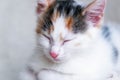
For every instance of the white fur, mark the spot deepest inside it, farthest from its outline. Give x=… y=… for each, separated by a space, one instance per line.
x=91 y=60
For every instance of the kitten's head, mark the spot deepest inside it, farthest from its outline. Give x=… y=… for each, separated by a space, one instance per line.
x=65 y=27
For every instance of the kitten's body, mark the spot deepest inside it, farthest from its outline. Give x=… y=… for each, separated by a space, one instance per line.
x=94 y=58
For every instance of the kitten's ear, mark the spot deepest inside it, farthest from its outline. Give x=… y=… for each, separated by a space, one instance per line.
x=42 y=5
x=94 y=11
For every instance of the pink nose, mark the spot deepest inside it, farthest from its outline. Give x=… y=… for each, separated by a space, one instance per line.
x=53 y=54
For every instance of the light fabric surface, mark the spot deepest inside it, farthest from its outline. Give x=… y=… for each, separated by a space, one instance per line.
x=17 y=37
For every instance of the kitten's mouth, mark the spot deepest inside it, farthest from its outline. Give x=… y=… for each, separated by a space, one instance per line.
x=56 y=60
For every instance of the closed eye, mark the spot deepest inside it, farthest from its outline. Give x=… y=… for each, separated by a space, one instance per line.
x=65 y=41
x=47 y=37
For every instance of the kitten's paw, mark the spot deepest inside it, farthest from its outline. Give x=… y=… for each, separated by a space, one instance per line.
x=46 y=75
x=28 y=75
x=54 y=75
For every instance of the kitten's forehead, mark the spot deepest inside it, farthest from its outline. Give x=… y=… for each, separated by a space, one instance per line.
x=62 y=15
x=59 y=25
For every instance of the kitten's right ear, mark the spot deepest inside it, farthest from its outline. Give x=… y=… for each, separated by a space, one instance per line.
x=95 y=12
x=42 y=5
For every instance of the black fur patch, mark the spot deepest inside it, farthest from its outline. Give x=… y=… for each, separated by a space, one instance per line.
x=67 y=8
x=107 y=35
x=115 y=54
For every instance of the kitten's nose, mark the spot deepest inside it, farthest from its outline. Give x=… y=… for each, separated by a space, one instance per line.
x=53 y=54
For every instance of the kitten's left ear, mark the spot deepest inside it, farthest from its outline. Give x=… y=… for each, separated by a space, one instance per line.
x=42 y=5
x=94 y=12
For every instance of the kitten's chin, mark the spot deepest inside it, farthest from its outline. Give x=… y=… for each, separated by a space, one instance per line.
x=57 y=60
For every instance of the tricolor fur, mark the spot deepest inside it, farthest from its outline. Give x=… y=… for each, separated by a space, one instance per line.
x=72 y=43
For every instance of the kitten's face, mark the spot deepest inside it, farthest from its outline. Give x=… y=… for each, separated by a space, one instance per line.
x=64 y=29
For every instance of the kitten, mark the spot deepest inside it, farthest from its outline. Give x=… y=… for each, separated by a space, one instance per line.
x=73 y=43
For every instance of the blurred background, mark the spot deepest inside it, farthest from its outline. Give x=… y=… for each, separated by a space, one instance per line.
x=17 y=33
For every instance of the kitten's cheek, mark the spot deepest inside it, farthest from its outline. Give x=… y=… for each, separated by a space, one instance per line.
x=44 y=43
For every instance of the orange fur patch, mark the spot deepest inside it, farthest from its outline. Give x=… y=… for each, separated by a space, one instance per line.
x=69 y=22
x=51 y=29
x=38 y=29
x=55 y=16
